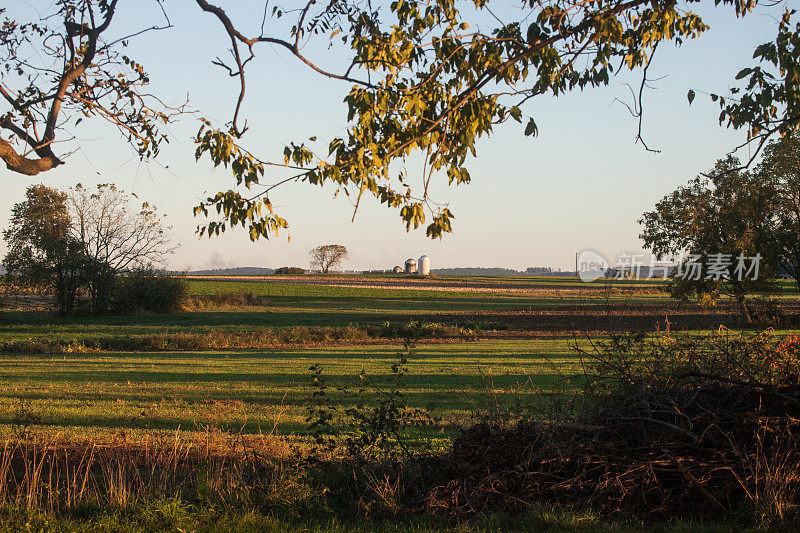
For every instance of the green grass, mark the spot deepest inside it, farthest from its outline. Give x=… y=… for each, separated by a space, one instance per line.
x=295 y=304
x=175 y=515
x=103 y=393
x=99 y=394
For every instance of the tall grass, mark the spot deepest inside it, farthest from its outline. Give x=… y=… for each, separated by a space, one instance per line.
x=53 y=476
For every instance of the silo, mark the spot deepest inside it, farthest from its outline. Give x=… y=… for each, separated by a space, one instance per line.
x=424 y=265
x=411 y=266
x=397 y=270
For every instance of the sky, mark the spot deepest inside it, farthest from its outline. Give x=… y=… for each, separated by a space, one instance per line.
x=582 y=183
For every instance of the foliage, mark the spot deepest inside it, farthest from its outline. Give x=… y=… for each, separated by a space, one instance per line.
x=82 y=240
x=377 y=424
x=116 y=237
x=693 y=425
x=60 y=69
x=767 y=312
x=149 y=290
x=42 y=250
x=780 y=168
x=290 y=271
x=417 y=330
x=423 y=79
x=731 y=212
x=769 y=101
x=224 y=339
x=328 y=256
x=431 y=84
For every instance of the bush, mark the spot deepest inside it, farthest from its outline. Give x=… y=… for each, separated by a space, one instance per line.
x=417 y=330
x=151 y=291
x=226 y=300
x=290 y=271
x=767 y=312
x=679 y=426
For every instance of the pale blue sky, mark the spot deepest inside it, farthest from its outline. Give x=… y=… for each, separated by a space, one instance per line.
x=532 y=202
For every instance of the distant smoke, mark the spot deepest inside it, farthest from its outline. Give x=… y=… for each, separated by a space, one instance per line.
x=218 y=261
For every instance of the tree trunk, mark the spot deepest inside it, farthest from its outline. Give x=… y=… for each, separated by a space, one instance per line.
x=744 y=309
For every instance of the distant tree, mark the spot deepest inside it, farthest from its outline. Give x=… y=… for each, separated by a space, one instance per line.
x=323 y=258
x=117 y=235
x=290 y=271
x=780 y=168
x=717 y=218
x=42 y=250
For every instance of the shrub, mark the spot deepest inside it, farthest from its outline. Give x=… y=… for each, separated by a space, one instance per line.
x=290 y=271
x=681 y=426
x=226 y=300
x=149 y=290
x=417 y=330
x=767 y=312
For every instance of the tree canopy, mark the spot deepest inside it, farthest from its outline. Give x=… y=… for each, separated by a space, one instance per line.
x=424 y=77
x=82 y=239
x=724 y=230
x=42 y=251
x=780 y=170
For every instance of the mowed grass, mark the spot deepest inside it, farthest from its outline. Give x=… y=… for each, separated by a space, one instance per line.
x=254 y=391
x=100 y=395
x=189 y=396
x=383 y=299
x=298 y=304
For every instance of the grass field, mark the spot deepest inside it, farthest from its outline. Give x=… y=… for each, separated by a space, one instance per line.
x=519 y=354
x=102 y=394
x=513 y=303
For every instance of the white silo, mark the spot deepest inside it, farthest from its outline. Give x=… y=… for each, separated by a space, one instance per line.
x=424 y=265
x=397 y=270
x=411 y=266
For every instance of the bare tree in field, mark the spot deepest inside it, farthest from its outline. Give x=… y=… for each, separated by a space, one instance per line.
x=117 y=236
x=323 y=258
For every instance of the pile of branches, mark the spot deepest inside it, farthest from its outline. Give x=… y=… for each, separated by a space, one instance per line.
x=672 y=427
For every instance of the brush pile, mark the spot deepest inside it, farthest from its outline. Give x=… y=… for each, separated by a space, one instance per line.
x=679 y=427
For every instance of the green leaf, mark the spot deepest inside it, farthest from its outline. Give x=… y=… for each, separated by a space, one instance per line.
x=533 y=33
x=531 y=128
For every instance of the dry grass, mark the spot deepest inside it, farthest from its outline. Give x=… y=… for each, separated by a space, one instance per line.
x=55 y=476
x=226 y=300
x=671 y=428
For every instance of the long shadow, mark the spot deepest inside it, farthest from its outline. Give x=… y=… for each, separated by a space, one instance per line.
x=527 y=314
x=314 y=312
x=147 y=423
x=118 y=377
